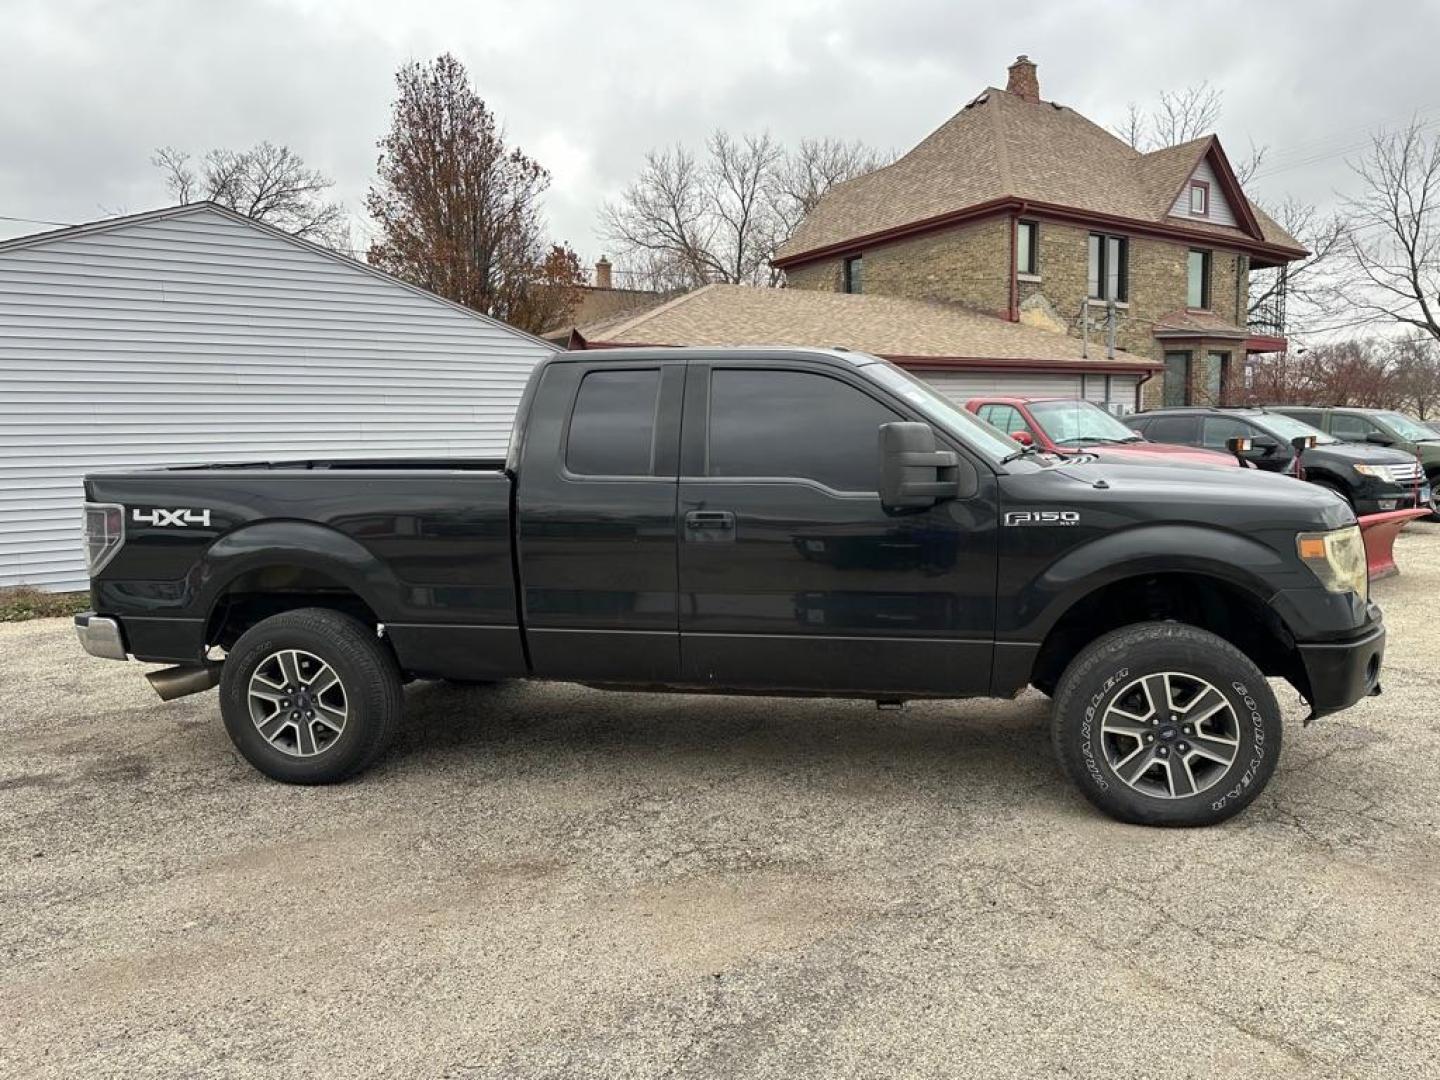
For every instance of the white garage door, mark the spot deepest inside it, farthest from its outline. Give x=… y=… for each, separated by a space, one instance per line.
x=1115 y=392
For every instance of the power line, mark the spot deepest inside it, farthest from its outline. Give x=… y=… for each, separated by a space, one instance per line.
x=36 y=221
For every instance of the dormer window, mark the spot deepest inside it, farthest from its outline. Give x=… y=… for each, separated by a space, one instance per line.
x=1199 y=198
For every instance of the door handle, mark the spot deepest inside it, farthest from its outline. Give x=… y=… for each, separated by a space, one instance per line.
x=710 y=519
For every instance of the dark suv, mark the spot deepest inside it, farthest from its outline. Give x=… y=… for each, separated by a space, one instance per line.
x=1372 y=479
x=1379 y=427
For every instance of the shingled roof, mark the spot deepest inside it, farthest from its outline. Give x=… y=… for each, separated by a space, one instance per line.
x=905 y=330
x=1003 y=147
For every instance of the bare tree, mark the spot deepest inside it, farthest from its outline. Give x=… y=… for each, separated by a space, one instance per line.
x=1416 y=361
x=686 y=221
x=1306 y=284
x=458 y=210
x=1392 y=272
x=1179 y=116
x=267 y=182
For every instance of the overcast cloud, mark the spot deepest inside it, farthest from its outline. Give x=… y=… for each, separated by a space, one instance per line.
x=89 y=89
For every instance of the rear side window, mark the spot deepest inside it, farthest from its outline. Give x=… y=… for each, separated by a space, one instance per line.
x=612 y=429
x=794 y=425
x=1173 y=429
x=1137 y=423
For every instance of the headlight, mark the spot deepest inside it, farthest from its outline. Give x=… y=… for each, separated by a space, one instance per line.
x=1376 y=471
x=1338 y=559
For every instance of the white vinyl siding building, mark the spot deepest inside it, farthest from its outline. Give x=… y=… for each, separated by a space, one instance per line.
x=194 y=335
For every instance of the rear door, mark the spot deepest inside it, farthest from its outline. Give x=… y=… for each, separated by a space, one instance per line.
x=792 y=575
x=596 y=521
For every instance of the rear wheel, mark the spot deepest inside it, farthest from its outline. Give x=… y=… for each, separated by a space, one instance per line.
x=310 y=696
x=1166 y=724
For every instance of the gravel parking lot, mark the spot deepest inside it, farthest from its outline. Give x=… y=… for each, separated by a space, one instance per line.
x=553 y=881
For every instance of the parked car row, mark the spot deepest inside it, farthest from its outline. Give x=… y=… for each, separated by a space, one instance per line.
x=1378 y=460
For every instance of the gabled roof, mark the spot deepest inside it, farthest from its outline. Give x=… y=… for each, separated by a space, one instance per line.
x=184 y=209
x=1001 y=150
x=905 y=330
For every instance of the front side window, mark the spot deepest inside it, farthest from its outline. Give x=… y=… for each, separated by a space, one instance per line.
x=1109 y=270
x=794 y=425
x=1199 y=276
x=1027 y=254
x=1350 y=427
x=1218 y=430
x=854 y=275
x=612 y=428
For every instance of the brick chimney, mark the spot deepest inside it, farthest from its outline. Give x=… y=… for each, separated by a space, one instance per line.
x=602 y=273
x=1024 y=83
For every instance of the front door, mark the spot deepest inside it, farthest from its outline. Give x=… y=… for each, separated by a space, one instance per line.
x=792 y=575
x=1177 y=378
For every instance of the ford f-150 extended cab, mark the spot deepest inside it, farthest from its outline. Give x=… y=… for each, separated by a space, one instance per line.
x=773 y=521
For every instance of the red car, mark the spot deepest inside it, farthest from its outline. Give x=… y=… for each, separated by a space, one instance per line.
x=1073 y=426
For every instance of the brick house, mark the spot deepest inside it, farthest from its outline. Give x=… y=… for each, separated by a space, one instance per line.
x=1023 y=210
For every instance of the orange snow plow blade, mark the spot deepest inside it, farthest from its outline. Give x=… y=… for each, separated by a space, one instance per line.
x=1379 y=532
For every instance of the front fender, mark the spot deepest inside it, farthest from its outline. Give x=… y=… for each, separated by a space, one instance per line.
x=1242 y=561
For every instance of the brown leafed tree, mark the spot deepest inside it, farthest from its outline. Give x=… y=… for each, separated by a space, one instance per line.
x=1392 y=267
x=266 y=182
x=1416 y=362
x=458 y=210
x=1178 y=116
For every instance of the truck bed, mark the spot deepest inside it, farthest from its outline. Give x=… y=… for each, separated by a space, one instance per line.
x=425 y=542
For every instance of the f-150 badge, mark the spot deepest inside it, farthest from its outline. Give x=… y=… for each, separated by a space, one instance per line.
x=165 y=519
x=1042 y=517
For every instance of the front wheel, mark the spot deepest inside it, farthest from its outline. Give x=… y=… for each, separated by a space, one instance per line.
x=1165 y=724
x=310 y=696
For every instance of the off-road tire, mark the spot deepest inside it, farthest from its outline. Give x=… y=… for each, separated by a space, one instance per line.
x=1089 y=695
x=370 y=681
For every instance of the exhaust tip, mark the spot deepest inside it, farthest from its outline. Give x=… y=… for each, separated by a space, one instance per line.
x=178 y=682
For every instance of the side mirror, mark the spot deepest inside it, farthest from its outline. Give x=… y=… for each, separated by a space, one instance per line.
x=912 y=472
x=1023 y=438
x=1301 y=443
x=1379 y=439
x=1238 y=445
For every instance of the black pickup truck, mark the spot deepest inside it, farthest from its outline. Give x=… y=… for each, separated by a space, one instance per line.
x=782 y=522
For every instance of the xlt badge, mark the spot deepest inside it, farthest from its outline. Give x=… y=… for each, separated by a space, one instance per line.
x=1042 y=517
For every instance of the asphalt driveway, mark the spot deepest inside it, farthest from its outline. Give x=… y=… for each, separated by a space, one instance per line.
x=554 y=881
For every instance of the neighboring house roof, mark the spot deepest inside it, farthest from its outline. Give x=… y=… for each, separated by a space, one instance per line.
x=1002 y=150
x=913 y=331
x=1188 y=323
x=107 y=224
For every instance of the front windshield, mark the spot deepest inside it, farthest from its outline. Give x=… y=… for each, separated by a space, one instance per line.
x=1073 y=423
x=1407 y=428
x=1287 y=428
x=941 y=411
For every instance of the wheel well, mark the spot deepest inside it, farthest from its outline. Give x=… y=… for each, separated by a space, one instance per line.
x=269 y=590
x=1226 y=610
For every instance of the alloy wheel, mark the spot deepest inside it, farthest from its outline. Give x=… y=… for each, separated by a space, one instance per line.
x=297 y=703
x=1170 y=735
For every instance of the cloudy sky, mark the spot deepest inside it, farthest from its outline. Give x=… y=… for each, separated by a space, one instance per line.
x=88 y=89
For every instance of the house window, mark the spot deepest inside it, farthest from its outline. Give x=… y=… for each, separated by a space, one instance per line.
x=1177 y=378
x=1027 y=250
x=1109 y=267
x=854 y=277
x=1199 y=292
x=1199 y=198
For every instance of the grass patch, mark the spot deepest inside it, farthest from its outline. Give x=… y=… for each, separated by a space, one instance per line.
x=19 y=604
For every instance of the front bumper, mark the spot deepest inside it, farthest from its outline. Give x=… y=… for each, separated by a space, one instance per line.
x=1340 y=673
x=1382 y=498
x=100 y=636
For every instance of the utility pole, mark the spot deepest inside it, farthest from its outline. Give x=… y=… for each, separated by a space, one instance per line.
x=1110 y=313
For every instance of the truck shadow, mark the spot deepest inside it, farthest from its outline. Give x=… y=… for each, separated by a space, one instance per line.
x=541 y=728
